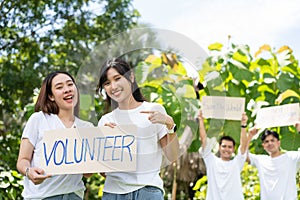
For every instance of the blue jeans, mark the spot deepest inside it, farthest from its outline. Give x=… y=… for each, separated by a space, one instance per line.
x=70 y=196
x=145 y=193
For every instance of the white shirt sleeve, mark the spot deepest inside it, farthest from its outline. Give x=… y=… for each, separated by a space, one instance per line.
x=31 y=130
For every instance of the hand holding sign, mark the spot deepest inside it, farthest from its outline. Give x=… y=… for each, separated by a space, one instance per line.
x=36 y=175
x=200 y=115
x=244 y=119
x=252 y=132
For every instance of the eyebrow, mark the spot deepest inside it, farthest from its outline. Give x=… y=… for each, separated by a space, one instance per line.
x=60 y=83
x=107 y=80
x=117 y=75
x=270 y=139
x=227 y=145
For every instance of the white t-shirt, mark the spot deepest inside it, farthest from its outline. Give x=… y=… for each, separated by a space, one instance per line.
x=277 y=175
x=149 y=151
x=223 y=177
x=58 y=184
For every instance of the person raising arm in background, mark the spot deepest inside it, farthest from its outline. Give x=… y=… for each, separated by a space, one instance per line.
x=277 y=171
x=223 y=173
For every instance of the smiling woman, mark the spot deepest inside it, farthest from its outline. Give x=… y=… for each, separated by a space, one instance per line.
x=65 y=95
x=55 y=109
x=59 y=88
x=155 y=134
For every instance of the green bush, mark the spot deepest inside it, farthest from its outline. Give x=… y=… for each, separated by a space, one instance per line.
x=11 y=184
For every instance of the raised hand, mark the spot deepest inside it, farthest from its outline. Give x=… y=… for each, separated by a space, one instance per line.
x=244 y=119
x=200 y=115
x=297 y=125
x=252 y=131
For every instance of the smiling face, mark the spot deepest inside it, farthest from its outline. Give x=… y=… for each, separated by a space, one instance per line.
x=117 y=87
x=226 y=149
x=271 y=145
x=64 y=92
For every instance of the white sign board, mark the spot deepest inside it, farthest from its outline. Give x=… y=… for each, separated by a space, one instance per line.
x=89 y=150
x=219 y=107
x=277 y=116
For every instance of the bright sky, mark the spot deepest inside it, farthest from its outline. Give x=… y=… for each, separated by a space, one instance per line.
x=251 y=22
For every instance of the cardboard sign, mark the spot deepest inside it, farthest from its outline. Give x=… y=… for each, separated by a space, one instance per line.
x=223 y=107
x=89 y=150
x=277 y=116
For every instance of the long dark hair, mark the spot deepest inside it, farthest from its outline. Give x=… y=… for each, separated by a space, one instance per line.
x=44 y=103
x=124 y=69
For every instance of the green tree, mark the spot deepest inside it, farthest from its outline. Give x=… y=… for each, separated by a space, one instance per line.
x=268 y=78
x=37 y=37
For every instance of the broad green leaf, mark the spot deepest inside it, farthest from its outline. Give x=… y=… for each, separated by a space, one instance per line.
x=292 y=68
x=240 y=74
x=194 y=146
x=233 y=128
x=286 y=94
x=285 y=81
x=200 y=182
x=206 y=68
x=180 y=69
x=238 y=64
x=154 y=83
x=268 y=69
x=233 y=90
x=187 y=91
x=215 y=46
x=240 y=58
x=290 y=140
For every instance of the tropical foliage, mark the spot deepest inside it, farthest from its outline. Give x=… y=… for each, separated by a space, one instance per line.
x=41 y=36
x=268 y=78
x=37 y=37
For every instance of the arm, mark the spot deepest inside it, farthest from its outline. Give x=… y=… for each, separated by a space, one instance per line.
x=36 y=175
x=252 y=131
x=297 y=125
x=203 y=135
x=243 y=137
x=169 y=142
